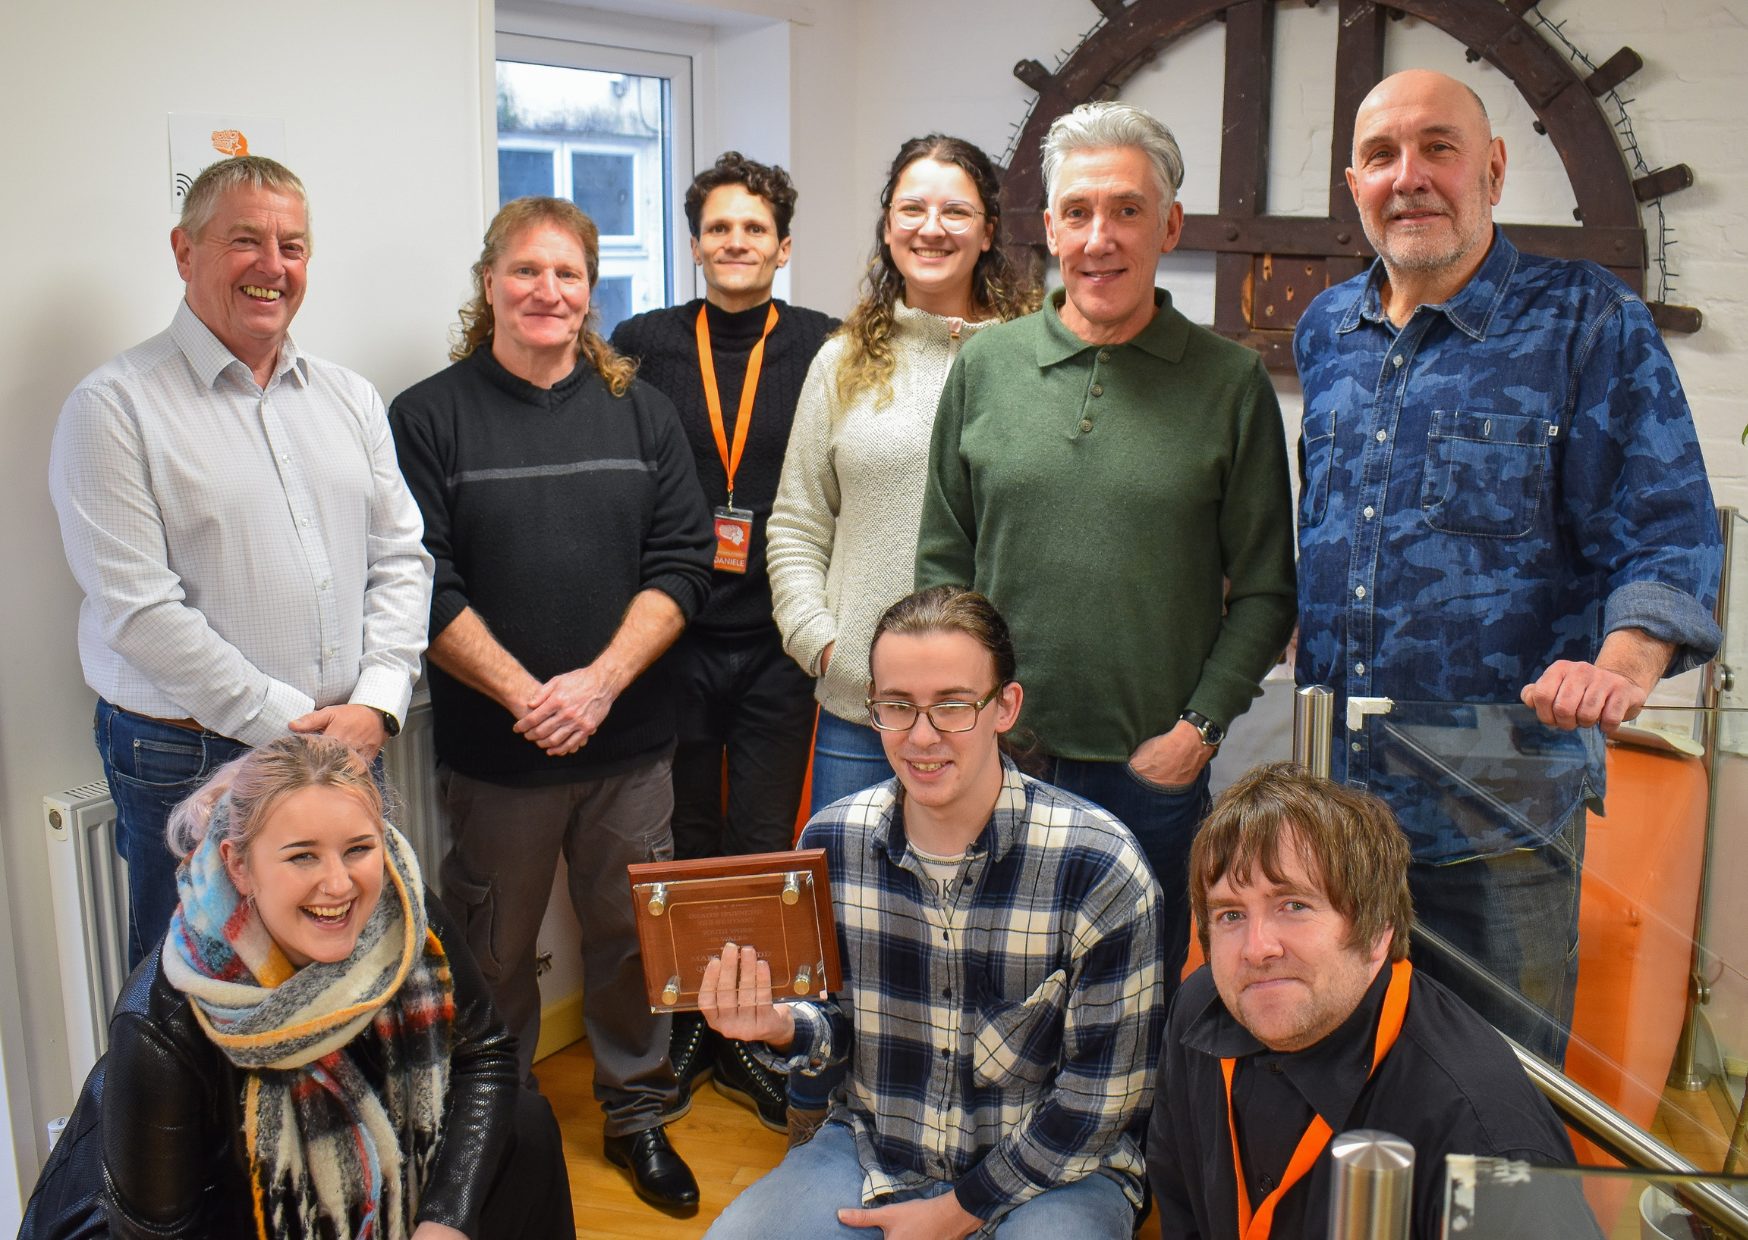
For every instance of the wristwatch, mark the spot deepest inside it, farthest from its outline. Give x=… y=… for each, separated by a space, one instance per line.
x=390 y=725
x=1211 y=733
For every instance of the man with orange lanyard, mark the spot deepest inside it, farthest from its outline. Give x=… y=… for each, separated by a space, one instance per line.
x=1308 y=1021
x=733 y=363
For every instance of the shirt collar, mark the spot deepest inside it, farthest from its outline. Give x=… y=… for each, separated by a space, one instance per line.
x=1012 y=806
x=209 y=357
x=1330 y=1075
x=1470 y=310
x=1165 y=336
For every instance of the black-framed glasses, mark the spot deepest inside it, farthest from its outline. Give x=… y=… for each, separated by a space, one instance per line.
x=943 y=716
x=955 y=217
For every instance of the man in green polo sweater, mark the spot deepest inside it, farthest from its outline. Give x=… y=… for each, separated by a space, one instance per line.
x=1114 y=478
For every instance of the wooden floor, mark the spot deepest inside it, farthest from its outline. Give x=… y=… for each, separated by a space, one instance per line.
x=726 y=1147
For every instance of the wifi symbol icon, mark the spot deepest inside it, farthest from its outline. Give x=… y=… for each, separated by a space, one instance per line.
x=184 y=183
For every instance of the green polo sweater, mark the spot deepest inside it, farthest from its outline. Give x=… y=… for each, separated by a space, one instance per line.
x=1126 y=507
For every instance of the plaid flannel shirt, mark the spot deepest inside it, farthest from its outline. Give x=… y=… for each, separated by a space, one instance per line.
x=1003 y=1034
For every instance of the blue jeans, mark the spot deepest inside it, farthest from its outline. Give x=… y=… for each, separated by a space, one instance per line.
x=151 y=767
x=1163 y=821
x=847 y=757
x=1503 y=933
x=803 y=1195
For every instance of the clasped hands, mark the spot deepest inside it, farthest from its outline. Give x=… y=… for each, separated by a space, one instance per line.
x=735 y=1000
x=563 y=713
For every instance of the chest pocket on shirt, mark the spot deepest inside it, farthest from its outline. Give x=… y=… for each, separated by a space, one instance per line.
x=1485 y=472
x=1316 y=462
x=1019 y=1041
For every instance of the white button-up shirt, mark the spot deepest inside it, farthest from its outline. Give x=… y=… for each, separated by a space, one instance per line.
x=247 y=554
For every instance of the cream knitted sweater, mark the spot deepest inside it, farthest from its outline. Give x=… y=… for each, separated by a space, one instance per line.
x=843 y=527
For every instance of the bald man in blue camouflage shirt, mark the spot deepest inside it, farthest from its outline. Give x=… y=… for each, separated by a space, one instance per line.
x=1503 y=501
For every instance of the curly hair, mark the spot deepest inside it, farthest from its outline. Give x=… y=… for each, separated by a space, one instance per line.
x=999 y=288
x=511 y=220
x=767 y=181
x=260 y=779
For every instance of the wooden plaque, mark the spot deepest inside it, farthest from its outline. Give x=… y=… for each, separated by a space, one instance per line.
x=779 y=903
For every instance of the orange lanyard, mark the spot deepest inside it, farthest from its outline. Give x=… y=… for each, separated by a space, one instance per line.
x=1317 y=1134
x=713 y=398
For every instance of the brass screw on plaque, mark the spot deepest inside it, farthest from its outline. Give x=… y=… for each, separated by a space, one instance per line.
x=671 y=992
x=803 y=976
x=791 y=887
x=658 y=903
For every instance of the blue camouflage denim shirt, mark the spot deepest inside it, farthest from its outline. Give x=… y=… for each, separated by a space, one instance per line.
x=1495 y=486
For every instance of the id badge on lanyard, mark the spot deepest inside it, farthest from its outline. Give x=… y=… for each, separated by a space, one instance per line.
x=734 y=526
x=734 y=538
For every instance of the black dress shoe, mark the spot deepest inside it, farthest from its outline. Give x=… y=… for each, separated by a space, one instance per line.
x=660 y=1176
x=743 y=1078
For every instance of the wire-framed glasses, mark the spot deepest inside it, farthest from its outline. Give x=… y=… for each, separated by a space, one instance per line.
x=943 y=716
x=955 y=217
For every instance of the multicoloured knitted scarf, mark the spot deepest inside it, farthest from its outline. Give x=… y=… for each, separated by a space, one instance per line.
x=328 y=1156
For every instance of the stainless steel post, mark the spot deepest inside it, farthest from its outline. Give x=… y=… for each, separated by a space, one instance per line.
x=1373 y=1186
x=1313 y=728
x=1715 y=681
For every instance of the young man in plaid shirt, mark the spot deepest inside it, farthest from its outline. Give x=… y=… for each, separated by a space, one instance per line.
x=1003 y=994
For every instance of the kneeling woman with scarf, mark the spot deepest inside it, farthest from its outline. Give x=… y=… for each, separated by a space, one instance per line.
x=312 y=1052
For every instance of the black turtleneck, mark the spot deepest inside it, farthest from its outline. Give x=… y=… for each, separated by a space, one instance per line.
x=665 y=345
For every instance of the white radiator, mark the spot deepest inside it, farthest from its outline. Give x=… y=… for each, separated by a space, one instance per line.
x=88 y=883
x=88 y=880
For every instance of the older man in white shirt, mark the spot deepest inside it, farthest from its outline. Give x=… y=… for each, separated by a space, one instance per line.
x=233 y=510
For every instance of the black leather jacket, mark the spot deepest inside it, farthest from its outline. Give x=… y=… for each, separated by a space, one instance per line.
x=173 y=1156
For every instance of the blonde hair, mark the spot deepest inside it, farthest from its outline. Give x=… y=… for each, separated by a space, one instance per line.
x=258 y=780
x=999 y=288
x=516 y=215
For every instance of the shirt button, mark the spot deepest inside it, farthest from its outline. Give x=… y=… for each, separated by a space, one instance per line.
x=1085 y=425
x=324 y=585
x=1104 y=355
x=303 y=520
x=1381 y=437
x=1359 y=591
x=1266 y=1183
x=1359 y=669
x=1097 y=389
x=1396 y=360
x=945 y=1053
x=947 y=993
x=1370 y=512
x=1355 y=746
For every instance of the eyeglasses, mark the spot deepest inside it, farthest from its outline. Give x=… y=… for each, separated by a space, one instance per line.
x=943 y=716
x=955 y=217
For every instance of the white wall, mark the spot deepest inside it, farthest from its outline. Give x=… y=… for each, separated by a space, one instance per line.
x=382 y=120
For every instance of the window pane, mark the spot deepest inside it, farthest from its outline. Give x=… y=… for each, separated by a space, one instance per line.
x=601 y=139
x=602 y=186
x=521 y=173
x=611 y=300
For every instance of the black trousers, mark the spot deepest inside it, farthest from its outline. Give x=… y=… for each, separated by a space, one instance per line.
x=744 y=698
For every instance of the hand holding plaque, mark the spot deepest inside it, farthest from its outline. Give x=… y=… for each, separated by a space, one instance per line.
x=736 y=999
x=777 y=905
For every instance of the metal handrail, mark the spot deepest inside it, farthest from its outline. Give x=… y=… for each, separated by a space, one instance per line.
x=1373 y=1187
x=1619 y=1136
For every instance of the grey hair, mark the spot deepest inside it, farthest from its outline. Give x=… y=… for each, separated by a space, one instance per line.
x=1096 y=126
x=242 y=172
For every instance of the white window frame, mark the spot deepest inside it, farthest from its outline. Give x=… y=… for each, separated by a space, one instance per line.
x=678 y=70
